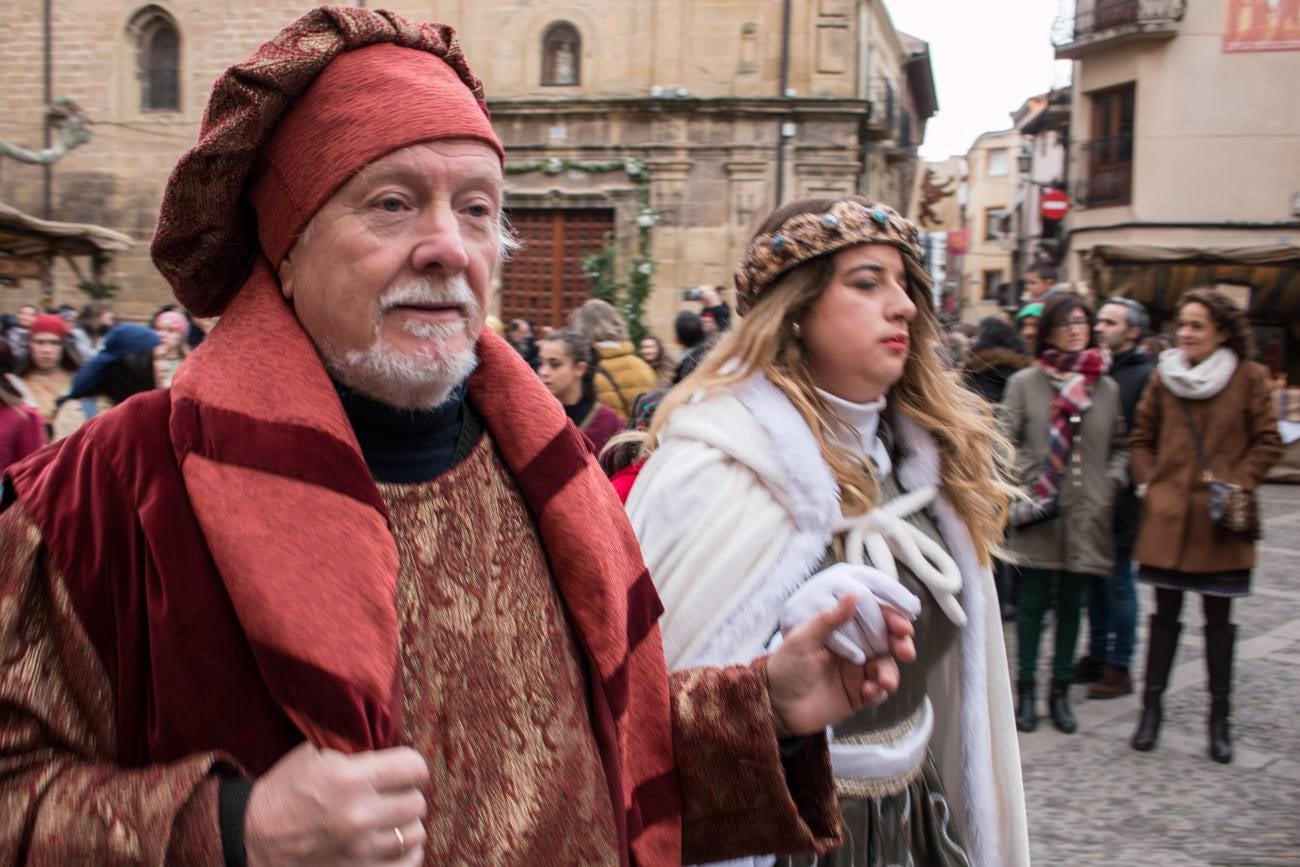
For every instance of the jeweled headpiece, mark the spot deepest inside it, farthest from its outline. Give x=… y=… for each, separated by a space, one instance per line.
x=808 y=235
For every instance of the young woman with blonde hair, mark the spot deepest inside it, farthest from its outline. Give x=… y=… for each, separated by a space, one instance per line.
x=823 y=450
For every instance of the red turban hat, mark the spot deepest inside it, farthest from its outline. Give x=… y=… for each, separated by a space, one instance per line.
x=284 y=129
x=367 y=103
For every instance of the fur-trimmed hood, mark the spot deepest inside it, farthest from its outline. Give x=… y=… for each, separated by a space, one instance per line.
x=996 y=357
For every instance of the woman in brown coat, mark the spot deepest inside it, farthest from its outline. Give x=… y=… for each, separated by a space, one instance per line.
x=1205 y=389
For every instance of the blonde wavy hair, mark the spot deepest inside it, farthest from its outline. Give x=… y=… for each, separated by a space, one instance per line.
x=973 y=454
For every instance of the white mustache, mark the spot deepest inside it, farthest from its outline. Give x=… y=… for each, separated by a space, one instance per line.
x=431 y=292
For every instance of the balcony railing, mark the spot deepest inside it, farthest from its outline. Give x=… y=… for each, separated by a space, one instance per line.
x=1109 y=179
x=1107 y=22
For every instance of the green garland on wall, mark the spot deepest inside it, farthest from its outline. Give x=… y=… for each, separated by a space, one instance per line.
x=628 y=295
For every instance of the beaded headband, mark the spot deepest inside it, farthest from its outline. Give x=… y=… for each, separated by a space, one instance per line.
x=805 y=236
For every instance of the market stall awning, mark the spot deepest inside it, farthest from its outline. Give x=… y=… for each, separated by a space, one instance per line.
x=27 y=243
x=1157 y=276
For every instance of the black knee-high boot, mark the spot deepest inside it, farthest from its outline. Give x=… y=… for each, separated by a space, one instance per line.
x=1162 y=644
x=1220 y=642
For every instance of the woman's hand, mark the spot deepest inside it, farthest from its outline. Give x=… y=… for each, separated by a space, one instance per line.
x=810 y=687
x=865 y=634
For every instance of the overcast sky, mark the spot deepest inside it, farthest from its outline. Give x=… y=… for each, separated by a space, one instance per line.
x=988 y=57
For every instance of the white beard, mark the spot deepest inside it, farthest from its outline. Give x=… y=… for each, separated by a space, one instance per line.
x=413 y=380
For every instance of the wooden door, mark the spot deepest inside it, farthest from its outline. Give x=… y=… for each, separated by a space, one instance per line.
x=1110 y=150
x=544 y=281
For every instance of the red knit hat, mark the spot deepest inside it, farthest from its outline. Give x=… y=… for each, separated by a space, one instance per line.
x=49 y=323
x=367 y=103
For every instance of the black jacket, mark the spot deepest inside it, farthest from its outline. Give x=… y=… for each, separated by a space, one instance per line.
x=987 y=370
x=693 y=358
x=528 y=351
x=1131 y=369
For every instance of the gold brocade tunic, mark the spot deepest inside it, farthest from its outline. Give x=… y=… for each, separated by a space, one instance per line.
x=495 y=695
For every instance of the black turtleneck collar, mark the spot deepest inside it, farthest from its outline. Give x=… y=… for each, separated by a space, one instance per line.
x=406 y=446
x=579 y=411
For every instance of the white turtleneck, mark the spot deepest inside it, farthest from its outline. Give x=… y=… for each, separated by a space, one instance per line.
x=865 y=419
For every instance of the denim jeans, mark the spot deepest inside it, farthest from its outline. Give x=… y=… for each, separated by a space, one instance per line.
x=1112 y=613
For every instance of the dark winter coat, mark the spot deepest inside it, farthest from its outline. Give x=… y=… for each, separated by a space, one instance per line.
x=693 y=358
x=596 y=420
x=1130 y=369
x=987 y=370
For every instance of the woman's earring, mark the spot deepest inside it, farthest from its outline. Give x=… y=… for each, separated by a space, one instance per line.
x=797 y=329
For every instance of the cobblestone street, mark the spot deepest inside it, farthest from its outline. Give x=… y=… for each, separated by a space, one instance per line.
x=1093 y=800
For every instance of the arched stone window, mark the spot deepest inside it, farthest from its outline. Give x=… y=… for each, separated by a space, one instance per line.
x=561 y=55
x=158 y=59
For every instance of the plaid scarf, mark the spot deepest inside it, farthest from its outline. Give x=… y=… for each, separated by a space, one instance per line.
x=1074 y=374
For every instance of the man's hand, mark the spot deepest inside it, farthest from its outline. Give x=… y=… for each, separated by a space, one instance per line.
x=810 y=687
x=323 y=807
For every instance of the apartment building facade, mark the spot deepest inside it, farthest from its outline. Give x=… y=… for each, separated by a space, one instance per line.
x=1184 y=157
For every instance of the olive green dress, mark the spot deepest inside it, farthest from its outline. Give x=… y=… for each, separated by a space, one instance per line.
x=905 y=821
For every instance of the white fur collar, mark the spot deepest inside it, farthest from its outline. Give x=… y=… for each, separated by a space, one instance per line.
x=813 y=493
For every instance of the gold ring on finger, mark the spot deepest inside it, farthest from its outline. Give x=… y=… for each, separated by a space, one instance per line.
x=401 y=841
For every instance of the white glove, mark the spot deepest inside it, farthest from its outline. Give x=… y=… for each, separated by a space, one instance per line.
x=865 y=634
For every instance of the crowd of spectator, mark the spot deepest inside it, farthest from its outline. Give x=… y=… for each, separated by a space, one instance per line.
x=1089 y=403
x=1117 y=433
x=61 y=367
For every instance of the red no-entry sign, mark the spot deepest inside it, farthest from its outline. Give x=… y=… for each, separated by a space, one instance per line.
x=1054 y=204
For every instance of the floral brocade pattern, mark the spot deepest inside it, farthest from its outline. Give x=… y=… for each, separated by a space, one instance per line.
x=761 y=803
x=63 y=798
x=495 y=696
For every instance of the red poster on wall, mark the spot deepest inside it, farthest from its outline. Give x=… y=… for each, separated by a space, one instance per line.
x=958 y=242
x=1262 y=25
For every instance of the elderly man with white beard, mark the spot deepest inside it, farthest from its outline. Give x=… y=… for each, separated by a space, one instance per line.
x=354 y=591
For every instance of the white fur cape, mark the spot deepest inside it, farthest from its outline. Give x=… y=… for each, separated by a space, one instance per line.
x=733 y=512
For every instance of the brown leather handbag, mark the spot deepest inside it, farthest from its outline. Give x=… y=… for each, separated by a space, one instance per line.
x=1232 y=507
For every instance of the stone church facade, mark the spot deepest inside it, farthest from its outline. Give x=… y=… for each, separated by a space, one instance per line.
x=658 y=132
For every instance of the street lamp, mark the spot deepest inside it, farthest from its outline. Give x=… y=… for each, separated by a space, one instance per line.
x=1024 y=160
